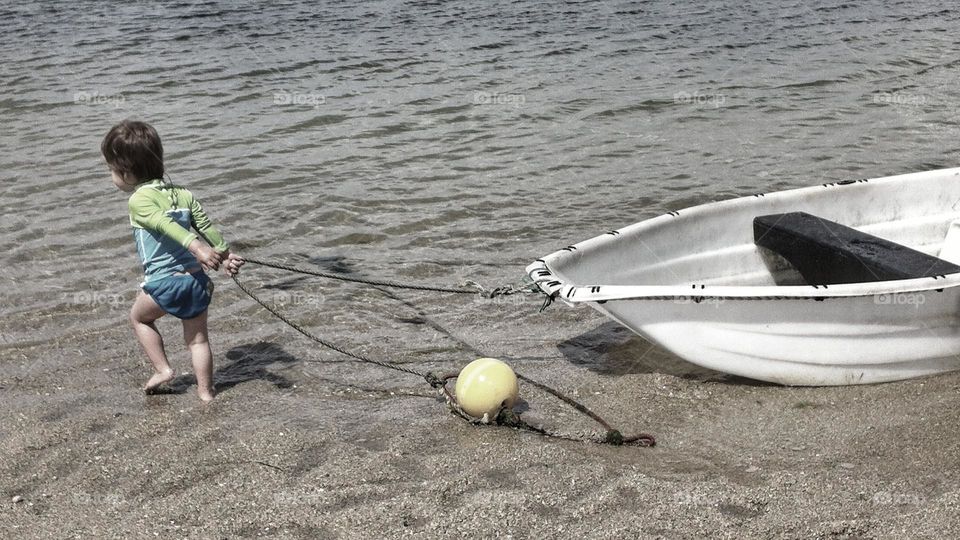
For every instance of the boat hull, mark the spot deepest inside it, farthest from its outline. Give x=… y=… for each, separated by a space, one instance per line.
x=837 y=341
x=694 y=282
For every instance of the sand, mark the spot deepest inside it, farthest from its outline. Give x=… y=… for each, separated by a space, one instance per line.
x=303 y=444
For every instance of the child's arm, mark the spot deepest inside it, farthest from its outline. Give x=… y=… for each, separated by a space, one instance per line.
x=204 y=226
x=147 y=214
x=208 y=258
x=232 y=264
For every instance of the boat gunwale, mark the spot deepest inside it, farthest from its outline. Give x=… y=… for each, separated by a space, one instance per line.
x=553 y=285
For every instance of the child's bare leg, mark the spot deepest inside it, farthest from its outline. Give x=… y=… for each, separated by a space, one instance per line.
x=195 y=335
x=142 y=316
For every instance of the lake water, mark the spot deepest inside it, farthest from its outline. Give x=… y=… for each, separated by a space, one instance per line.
x=434 y=141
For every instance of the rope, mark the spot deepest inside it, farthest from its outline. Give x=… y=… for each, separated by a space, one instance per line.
x=613 y=436
x=471 y=288
x=429 y=377
x=505 y=417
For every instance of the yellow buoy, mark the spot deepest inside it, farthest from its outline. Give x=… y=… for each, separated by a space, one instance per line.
x=485 y=386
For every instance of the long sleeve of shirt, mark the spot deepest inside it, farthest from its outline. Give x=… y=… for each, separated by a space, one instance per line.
x=147 y=212
x=164 y=218
x=205 y=227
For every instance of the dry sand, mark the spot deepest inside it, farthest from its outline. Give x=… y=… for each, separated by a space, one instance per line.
x=335 y=449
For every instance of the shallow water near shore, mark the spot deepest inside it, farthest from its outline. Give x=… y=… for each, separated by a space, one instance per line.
x=440 y=142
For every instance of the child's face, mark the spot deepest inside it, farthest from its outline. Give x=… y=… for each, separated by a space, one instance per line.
x=118 y=181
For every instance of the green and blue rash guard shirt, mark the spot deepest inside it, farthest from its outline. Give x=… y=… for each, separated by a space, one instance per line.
x=162 y=216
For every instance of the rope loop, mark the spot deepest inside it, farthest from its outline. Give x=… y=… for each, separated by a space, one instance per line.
x=614 y=437
x=507 y=417
x=433 y=380
x=548 y=299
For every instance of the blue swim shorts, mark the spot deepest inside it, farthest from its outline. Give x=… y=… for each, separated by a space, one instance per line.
x=182 y=295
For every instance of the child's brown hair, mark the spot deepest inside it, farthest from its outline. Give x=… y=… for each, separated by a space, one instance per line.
x=133 y=150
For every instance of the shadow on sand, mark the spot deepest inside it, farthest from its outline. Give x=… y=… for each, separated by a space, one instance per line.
x=611 y=349
x=245 y=363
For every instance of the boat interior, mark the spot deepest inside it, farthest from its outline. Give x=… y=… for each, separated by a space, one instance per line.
x=825 y=252
x=856 y=230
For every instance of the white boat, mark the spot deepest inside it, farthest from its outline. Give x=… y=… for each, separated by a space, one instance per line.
x=695 y=282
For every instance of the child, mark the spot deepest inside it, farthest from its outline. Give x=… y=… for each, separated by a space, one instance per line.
x=174 y=258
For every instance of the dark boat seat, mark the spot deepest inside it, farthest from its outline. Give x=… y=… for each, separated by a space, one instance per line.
x=827 y=253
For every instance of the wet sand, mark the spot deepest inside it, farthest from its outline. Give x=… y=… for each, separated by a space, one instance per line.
x=302 y=444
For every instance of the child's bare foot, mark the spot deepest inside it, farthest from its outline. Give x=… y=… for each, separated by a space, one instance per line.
x=158 y=379
x=206 y=394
